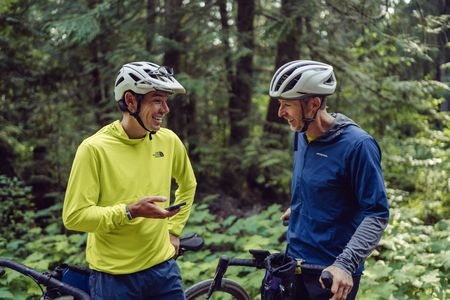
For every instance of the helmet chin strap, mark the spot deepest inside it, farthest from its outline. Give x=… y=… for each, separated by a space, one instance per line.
x=138 y=118
x=306 y=122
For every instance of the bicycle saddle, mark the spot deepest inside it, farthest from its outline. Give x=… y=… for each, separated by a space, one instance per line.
x=191 y=242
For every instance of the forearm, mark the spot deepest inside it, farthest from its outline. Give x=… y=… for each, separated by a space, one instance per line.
x=95 y=218
x=362 y=243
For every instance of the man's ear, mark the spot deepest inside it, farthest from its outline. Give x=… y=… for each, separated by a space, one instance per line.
x=316 y=102
x=130 y=101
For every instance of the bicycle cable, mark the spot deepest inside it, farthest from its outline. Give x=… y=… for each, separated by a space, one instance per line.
x=40 y=287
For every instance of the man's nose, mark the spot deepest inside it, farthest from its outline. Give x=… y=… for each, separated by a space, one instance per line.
x=280 y=111
x=165 y=108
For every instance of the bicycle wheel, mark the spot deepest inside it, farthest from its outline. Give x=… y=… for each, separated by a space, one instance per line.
x=229 y=290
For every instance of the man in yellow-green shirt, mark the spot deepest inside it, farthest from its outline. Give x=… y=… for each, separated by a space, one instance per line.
x=118 y=190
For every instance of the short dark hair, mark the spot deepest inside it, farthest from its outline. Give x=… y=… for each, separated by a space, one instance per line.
x=122 y=105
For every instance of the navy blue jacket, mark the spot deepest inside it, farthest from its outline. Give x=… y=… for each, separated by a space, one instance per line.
x=339 y=207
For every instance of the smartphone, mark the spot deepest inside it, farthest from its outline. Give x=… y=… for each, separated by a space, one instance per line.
x=176 y=206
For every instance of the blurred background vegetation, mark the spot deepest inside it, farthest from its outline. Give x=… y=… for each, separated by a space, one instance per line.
x=58 y=62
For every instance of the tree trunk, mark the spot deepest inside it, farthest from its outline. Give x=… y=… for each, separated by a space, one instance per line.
x=151 y=24
x=225 y=37
x=287 y=50
x=177 y=118
x=241 y=87
x=444 y=54
x=98 y=86
x=190 y=111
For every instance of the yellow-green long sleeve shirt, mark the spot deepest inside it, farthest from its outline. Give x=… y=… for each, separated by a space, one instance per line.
x=111 y=171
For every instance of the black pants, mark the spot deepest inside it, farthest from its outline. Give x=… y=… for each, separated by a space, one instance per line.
x=307 y=287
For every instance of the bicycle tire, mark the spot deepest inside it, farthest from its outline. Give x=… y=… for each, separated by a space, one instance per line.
x=230 y=287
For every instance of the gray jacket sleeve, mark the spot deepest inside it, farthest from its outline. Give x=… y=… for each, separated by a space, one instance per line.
x=362 y=243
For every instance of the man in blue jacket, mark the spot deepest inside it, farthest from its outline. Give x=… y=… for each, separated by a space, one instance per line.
x=339 y=208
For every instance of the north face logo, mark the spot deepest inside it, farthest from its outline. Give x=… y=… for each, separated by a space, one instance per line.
x=158 y=154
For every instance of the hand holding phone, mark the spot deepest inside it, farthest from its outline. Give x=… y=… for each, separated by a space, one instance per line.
x=176 y=206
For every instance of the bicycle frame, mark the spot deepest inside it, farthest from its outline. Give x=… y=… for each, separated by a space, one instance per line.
x=45 y=279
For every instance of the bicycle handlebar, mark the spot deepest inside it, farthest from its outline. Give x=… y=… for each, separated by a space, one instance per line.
x=327 y=277
x=43 y=278
x=225 y=261
x=242 y=262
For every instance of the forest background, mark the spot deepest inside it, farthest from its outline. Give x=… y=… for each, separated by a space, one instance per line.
x=58 y=62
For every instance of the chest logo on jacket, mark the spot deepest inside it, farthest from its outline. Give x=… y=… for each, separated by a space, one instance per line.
x=321 y=154
x=158 y=154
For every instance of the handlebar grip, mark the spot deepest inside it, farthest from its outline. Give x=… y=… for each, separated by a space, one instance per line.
x=242 y=262
x=327 y=279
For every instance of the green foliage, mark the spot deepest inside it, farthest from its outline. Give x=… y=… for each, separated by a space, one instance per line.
x=420 y=166
x=269 y=165
x=16 y=210
x=412 y=260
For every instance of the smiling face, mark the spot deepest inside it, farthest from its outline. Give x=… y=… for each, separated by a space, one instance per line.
x=153 y=109
x=291 y=111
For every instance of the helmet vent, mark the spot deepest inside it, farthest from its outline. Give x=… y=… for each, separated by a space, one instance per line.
x=135 y=64
x=135 y=78
x=119 y=80
x=283 y=78
x=151 y=74
x=281 y=69
x=292 y=83
x=329 y=81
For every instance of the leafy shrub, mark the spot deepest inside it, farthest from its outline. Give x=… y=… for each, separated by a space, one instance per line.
x=413 y=260
x=23 y=241
x=16 y=210
x=420 y=166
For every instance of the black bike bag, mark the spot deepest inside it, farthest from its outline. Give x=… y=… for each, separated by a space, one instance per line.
x=279 y=278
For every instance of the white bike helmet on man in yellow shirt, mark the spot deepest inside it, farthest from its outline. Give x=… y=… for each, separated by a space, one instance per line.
x=141 y=78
